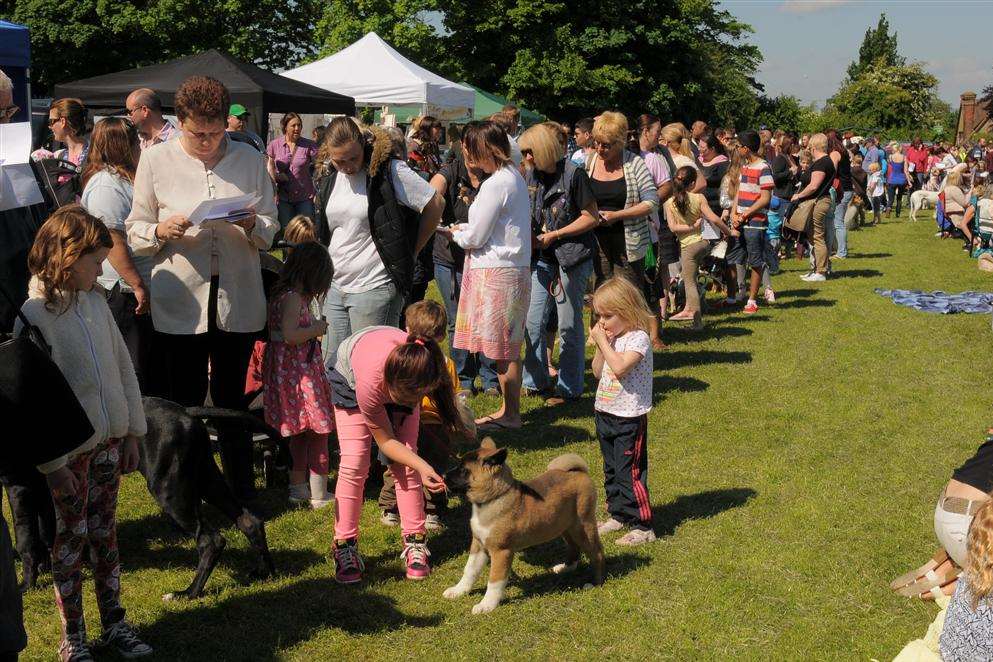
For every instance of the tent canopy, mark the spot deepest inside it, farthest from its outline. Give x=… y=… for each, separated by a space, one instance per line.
x=261 y=91
x=15 y=45
x=375 y=74
x=488 y=103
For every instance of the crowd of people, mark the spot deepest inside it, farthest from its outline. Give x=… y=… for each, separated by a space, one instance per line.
x=521 y=231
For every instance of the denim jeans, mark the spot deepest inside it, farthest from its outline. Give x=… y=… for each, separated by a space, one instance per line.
x=348 y=313
x=467 y=365
x=568 y=300
x=840 y=231
x=287 y=210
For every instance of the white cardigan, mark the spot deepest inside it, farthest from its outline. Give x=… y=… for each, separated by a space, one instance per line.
x=498 y=233
x=89 y=350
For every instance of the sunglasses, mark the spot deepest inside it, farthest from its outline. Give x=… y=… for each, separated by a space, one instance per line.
x=8 y=112
x=599 y=145
x=53 y=120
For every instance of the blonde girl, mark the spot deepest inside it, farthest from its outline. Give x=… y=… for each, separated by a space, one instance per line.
x=623 y=364
x=968 y=630
x=72 y=313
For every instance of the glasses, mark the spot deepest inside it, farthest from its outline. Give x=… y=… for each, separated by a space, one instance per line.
x=599 y=145
x=53 y=120
x=132 y=111
x=8 y=112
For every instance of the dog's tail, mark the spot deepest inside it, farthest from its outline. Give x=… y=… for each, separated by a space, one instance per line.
x=247 y=421
x=569 y=462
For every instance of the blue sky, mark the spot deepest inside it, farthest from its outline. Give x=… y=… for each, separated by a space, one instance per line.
x=808 y=44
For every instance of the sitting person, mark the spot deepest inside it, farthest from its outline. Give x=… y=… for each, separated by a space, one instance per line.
x=958 y=503
x=968 y=632
x=427 y=319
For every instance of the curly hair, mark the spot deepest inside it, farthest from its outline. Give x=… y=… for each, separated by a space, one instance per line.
x=68 y=234
x=979 y=545
x=202 y=97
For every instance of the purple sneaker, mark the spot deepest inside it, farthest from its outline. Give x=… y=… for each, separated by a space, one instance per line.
x=415 y=553
x=348 y=565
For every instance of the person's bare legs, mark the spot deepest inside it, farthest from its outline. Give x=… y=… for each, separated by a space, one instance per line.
x=509 y=413
x=753 y=285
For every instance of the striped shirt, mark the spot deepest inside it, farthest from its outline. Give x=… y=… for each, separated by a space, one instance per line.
x=755 y=178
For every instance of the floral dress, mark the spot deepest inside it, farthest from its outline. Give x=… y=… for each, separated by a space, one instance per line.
x=296 y=393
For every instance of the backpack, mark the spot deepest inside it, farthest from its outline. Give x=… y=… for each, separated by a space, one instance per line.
x=569 y=251
x=48 y=171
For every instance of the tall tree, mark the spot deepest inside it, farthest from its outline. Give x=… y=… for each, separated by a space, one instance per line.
x=878 y=47
x=73 y=39
x=402 y=23
x=890 y=97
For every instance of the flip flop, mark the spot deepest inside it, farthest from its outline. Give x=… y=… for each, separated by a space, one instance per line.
x=910 y=577
x=494 y=424
x=931 y=580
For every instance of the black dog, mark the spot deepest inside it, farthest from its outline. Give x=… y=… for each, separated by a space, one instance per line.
x=181 y=474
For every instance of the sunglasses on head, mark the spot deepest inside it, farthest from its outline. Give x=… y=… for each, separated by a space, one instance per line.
x=8 y=111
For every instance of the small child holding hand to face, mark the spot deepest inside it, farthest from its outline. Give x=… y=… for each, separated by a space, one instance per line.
x=623 y=364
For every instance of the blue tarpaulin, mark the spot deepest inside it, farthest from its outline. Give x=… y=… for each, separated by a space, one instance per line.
x=941 y=302
x=15 y=45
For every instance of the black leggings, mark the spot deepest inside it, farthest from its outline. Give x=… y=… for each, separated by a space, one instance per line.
x=894 y=195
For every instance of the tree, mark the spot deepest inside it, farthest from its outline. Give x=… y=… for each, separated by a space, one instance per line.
x=73 y=39
x=890 y=97
x=878 y=47
x=787 y=113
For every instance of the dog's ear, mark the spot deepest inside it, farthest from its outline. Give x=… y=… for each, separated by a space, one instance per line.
x=497 y=458
x=488 y=442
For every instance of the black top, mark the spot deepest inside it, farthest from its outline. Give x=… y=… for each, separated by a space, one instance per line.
x=825 y=165
x=714 y=173
x=610 y=196
x=459 y=193
x=978 y=470
x=782 y=177
x=845 y=171
x=580 y=197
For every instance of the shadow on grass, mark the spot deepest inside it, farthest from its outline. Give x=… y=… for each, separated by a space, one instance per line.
x=684 y=334
x=684 y=359
x=661 y=386
x=858 y=273
x=868 y=256
x=795 y=293
x=549 y=583
x=806 y=303
x=291 y=615
x=666 y=519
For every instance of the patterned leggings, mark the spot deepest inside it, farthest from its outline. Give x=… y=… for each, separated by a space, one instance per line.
x=84 y=520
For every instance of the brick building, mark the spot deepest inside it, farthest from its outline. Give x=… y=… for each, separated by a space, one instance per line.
x=974 y=116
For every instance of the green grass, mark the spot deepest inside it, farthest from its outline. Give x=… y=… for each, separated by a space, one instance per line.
x=795 y=458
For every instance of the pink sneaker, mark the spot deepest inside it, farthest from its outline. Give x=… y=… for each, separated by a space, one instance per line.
x=751 y=308
x=415 y=553
x=348 y=565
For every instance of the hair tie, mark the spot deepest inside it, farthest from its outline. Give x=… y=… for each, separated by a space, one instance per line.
x=418 y=341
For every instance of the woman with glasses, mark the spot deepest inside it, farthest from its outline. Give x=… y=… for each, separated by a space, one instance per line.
x=67 y=120
x=208 y=305
x=626 y=196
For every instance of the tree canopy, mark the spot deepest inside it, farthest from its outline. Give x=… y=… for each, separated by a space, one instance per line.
x=879 y=47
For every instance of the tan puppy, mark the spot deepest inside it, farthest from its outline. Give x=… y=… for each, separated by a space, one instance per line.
x=508 y=516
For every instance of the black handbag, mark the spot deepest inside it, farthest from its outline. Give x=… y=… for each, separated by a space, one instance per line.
x=37 y=405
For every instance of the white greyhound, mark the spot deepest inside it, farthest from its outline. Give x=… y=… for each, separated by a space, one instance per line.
x=921 y=199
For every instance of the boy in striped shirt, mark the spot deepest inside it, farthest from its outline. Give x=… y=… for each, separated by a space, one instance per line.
x=749 y=211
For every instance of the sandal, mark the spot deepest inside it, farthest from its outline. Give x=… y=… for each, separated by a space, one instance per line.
x=927 y=583
x=908 y=578
x=495 y=424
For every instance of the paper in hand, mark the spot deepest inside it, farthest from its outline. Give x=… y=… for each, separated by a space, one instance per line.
x=225 y=209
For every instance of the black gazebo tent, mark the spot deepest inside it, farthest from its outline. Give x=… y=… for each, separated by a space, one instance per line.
x=260 y=91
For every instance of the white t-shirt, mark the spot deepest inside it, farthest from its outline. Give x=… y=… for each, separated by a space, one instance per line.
x=515 y=151
x=499 y=230
x=630 y=396
x=357 y=265
x=579 y=157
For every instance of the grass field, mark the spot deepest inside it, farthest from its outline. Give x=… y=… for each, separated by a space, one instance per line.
x=795 y=458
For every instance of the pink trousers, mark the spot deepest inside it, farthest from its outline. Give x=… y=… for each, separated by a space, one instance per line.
x=355 y=443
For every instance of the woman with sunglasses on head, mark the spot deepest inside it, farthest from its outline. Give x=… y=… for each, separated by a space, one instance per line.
x=108 y=190
x=67 y=120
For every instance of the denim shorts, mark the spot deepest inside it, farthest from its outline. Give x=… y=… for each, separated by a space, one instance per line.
x=736 y=251
x=757 y=246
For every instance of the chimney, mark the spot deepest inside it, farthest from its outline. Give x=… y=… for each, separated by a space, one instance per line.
x=968 y=106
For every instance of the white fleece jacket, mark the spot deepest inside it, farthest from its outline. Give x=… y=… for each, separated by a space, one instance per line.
x=88 y=348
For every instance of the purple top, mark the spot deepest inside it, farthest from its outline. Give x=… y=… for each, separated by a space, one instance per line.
x=298 y=165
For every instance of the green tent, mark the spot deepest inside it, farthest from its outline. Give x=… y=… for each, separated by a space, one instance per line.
x=488 y=103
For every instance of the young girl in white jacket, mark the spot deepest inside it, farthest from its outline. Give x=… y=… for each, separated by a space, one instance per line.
x=66 y=304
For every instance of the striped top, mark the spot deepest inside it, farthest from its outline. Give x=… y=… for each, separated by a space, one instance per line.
x=755 y=178
x=640 y=187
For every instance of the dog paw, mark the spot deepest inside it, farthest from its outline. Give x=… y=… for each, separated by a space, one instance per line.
x=453 y=592
x=483 y=607
x=560 y=568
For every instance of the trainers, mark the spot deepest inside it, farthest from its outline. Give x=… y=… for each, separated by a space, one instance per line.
x=432 y=522
x=389 y=518
x=609 y=526
x=636 y=537
x=415 y=553
x=770 y=296
x=348 y=565
x=122 y=639
x=300 y=493
x=814 y=278
x=750 y=308
x=74 y=649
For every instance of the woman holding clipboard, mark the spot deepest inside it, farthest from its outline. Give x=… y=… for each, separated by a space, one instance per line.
x=206 y=286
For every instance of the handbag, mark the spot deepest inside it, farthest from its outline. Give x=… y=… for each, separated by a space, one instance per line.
x=37 y=404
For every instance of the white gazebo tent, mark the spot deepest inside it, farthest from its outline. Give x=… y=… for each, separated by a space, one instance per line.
x=375 y=74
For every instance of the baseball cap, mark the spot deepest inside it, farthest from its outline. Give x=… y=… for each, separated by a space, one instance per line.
x=238 y=110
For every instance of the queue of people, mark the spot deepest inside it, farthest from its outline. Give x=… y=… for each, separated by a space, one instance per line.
x=521 y=232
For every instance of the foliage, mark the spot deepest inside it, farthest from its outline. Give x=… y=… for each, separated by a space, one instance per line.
x=787 y=113
x=878 y=47
x=890 y=97
x=73 y=39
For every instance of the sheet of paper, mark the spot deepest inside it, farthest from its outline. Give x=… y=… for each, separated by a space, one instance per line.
x=18 y=187
x=229 y=209
x=15 y=143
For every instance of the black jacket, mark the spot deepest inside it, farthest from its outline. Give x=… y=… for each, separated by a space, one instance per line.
x=394 y=227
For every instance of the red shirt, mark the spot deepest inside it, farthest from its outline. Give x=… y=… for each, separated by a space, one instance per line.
x=918 y=156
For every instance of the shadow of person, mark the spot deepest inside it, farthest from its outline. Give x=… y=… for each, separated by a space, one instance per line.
x=683 y=359
x=806 y=303
x=858 y=273
x=667 y=518
x=665 y=384
x=290 y=614
x=548 y=583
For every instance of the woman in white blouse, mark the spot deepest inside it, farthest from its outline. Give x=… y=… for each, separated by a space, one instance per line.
x=208 y=305
x=496 y=285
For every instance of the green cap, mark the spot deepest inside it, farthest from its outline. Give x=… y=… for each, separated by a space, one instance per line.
x=238 y=110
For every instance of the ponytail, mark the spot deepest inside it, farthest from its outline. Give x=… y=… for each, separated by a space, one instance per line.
x=419 y=364
x=682 y=184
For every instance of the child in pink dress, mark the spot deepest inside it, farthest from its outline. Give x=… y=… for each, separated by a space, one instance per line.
x=296 y=394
